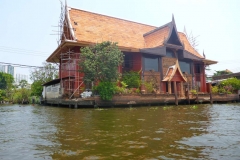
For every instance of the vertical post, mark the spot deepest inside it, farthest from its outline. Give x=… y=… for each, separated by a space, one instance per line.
x=197 y=98
x=69 y=75
x=181 y=89
x=210 y=91
x=169 y=87
x=76 y=106
x=175 y=92
x=188 y=93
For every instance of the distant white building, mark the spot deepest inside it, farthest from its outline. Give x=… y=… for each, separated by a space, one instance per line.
x=10 y=70
x=20 y=77
x=7 y=69
x=2 y=68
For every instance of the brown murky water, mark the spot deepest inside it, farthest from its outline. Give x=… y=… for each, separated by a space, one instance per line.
x=149 y=133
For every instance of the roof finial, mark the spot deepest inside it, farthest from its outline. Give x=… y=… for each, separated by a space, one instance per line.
x=66 y=3
x=204 y=55
x=173 y=20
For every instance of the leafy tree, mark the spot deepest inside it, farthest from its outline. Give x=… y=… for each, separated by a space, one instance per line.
x=2 y=95
x=23 y=83
x=21 y=95
x=101 y=62
x=219 y=73
x=6 y=85
x=6 y=80
x=36 y=88
x=42 y=75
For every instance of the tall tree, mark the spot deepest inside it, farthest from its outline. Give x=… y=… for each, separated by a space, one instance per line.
x=6 y=80
x=101 y=62
x=6 y=85
x=47 y=72
x=36 y=88
x=23 y=83
x=42 y=75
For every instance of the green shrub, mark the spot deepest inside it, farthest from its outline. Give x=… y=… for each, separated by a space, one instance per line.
x=137 y=90
x=119 y=90
x=106 y=90
x=221 y=90
x=148 y=87
x=227 y=86
x=215 y=89
x=233 y=82
x=193 y=91
x=132 y=79
x=123 y=84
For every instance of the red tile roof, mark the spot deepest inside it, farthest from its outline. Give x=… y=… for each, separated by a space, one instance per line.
x=171 y=72
x=187 y=45
x=156 y=38
x=92 y=27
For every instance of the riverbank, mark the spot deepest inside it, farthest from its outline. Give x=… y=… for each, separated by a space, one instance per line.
x=142 y=99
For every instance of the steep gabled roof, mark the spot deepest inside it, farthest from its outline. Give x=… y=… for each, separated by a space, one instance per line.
x=95 y=28
x=156 y=37
x=187 y=45
x=173 y=37
x=91 y=27
x=174 y=72
x=86 y=28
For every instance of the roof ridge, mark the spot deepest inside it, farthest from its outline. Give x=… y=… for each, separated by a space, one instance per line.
x=111 y=16
x=191 y=44
x=158 y=28
x=181 y=33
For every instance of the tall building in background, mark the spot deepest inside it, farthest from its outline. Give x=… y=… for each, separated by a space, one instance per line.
x=10 y=70
x=2 y=68
x=20 y=77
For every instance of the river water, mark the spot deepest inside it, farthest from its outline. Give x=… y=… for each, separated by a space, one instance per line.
x=148 y=133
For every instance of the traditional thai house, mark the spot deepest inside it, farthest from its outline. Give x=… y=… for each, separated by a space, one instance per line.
x=160 y=52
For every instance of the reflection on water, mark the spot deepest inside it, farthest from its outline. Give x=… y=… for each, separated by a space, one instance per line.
x=171 y=132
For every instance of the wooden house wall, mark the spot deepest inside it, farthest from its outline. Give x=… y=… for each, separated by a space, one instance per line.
x=166 y=63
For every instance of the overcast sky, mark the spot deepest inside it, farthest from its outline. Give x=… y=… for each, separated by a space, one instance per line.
x=27 y=26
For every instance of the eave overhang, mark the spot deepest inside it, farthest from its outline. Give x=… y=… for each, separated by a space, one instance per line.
x=173 y=46
x=56 y=81
x=161 y=50
x=189 y=55
x=54 y=57
x=209 y=62
x=68 y=44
